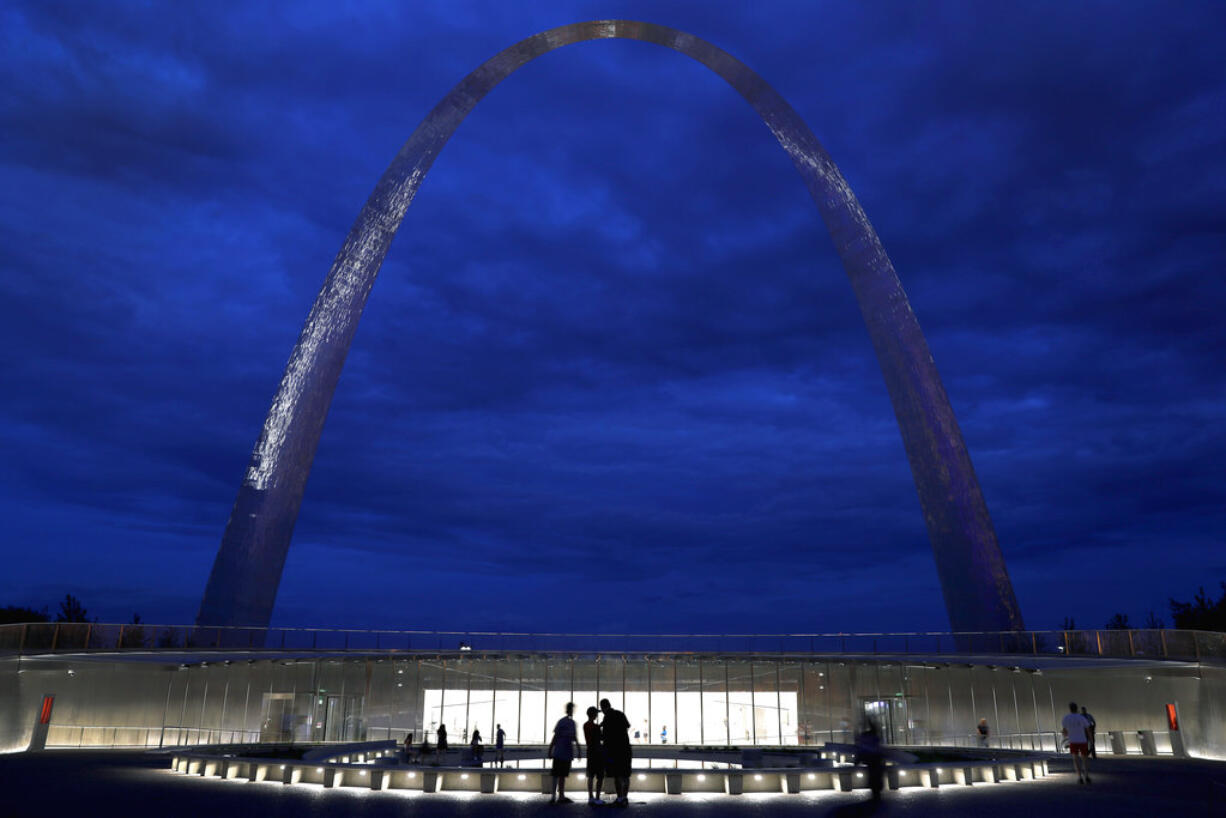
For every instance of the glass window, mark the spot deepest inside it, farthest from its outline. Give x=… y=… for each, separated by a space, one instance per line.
x=714 y=703
x=532 y=714
x=663 y=702
x=638 y=699
x=585 y=691
x=557 y=694
x=766 y=703
x=815 y=726
x=506 y=700
x=431 y=693
x=789 y=702
x=689 y=702
x=740 y=703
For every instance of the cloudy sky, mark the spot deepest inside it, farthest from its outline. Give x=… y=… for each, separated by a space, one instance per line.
x=612 y=376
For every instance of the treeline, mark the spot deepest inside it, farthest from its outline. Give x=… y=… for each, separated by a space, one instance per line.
x=71 y=610
x=1201 y=613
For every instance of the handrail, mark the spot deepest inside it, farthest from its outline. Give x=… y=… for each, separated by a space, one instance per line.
x=71 y=637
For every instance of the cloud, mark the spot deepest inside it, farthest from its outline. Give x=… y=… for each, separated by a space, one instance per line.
x=611 y=353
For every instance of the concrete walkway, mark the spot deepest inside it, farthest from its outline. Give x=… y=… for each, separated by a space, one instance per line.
x=94 y=784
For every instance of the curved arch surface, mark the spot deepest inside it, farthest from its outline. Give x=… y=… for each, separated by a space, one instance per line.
x=243 y=584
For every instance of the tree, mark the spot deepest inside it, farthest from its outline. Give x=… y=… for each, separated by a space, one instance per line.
x=71 y=610
x=1118 y=622
x=16 y=615
x=134 y=634
x=1202 y=613
x=1154 y=623
x=1069 y=624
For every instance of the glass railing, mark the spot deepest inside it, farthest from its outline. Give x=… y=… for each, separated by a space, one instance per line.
x=60 y=637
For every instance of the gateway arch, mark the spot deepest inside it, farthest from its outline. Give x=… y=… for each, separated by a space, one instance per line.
x=243 y=584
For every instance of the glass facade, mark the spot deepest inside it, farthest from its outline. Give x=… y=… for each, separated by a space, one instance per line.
x=151 y=700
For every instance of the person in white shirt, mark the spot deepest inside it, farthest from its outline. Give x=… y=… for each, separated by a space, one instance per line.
x=563 y=748
x=1076 y=729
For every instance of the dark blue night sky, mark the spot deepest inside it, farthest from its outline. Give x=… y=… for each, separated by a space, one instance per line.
x=612 y=376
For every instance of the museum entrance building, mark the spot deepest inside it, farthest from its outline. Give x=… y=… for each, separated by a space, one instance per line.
x=1155 y=692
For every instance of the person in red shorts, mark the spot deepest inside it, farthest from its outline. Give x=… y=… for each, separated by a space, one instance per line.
x=1077 y=729
x=595 y=758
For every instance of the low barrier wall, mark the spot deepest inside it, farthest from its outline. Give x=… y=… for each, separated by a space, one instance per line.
x=366 y=766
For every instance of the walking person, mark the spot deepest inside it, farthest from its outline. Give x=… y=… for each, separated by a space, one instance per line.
x=595 y=758
x=868 y=753
x=615 y=738
x=478 y=749
x=563 y=747
x=426 y=750
x=442 y=743
x=1075 y=727
x=1091 y=735
x=500 y=745
x=983 y=732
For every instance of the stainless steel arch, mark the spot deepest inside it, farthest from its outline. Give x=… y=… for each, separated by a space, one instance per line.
x=245 y=576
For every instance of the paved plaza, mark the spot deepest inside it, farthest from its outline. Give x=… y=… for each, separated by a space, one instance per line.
x=84 y=783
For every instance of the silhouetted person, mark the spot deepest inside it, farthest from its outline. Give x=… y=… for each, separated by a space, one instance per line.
x=595 y=758
x=615 y=737
x=426 y=750
x=500 y=745
x=868 y=753
x=563 y=747
x=983 y=732
x=477 y=748
x=1091 y=734
x=442 y=741
x=1075 y=727
x=408 y=746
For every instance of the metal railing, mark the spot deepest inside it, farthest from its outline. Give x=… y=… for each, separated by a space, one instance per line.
x=65 y=637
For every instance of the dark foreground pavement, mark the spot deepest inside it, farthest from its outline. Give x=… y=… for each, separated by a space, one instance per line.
x=98 y=784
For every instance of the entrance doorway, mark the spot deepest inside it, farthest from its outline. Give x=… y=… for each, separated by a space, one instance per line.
x=890 y=716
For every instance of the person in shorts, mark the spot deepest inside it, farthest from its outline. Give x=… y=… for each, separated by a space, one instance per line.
x=1076 y=729
x=595 y=758
x=1090 y=733
x=615 y=739
x=563 y=748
